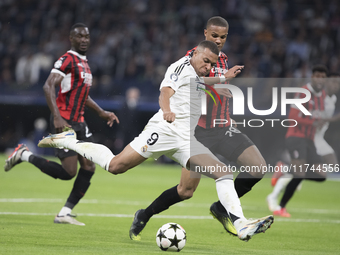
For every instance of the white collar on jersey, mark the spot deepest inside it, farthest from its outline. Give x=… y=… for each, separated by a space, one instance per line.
x=77 y=54
x=318 y=94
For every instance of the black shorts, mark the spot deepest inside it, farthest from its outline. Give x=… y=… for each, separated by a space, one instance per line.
x=82 y=131
x=228 y=141
x=302 y=148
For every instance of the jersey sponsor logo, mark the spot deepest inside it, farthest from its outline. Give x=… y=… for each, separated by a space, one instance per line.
x=174 y=76
x=219 y=70
x=87 y=78
x=153 y=139
x=59 y=63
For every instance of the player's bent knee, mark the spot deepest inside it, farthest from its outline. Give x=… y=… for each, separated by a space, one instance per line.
x=185 y=193
x=89 y=167
x=117 y=169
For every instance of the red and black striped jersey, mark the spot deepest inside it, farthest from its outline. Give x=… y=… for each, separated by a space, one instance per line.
x=316 y=106
x=75 y=86
x=217 y=111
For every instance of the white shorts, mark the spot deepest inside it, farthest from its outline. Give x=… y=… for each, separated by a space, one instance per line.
x=159 y=139
x=322 y=147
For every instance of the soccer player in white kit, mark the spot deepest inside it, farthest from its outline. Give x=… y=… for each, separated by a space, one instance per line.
x=168 y=133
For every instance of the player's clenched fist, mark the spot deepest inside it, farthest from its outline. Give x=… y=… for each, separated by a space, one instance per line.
x=169 y=116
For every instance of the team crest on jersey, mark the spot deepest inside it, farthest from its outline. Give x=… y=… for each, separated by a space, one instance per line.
x=59 y=63
x=174 y=76
x=144 y=148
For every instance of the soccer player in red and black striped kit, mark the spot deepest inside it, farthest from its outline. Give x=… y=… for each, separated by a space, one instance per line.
x=223 y=139
x=73 y=75
x=300 y=139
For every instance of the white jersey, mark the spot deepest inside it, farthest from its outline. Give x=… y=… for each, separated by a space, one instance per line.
x=186 y=101
x=322 y=147
x=175 y=140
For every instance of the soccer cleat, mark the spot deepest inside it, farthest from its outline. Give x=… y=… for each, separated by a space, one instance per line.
x=53 y=140
x=223 y=217
x=253 y=227
x=15 y=157
x=67 y=219
x=137 y=226
x=272 y=203
x=282 y=212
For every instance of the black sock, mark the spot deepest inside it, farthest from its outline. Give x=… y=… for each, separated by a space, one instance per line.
x=244 y=182
x=221 y=208
x=80 y=186
x=289 y=192
x=50 y=168
x=161 y=203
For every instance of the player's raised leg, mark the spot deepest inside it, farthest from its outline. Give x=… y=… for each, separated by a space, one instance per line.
x=94 y=152
x=97 y=153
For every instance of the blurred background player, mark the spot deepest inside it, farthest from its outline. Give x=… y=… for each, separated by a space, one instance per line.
x=323 y=149
x=73 y=75
x=223 y=139
x=300 y=142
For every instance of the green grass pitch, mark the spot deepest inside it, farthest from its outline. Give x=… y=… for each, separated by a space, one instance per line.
x=29 y=201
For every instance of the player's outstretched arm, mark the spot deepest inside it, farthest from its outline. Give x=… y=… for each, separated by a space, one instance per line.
x=53 y=80
x=164 y=103
x=109 y=116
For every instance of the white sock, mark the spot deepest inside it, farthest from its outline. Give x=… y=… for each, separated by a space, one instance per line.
x=25 y=155
x=94 y=152
x=228 y=197
x=64 y=211
x=280 y=185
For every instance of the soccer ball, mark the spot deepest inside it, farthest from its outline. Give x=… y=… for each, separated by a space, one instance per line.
x=171 y=237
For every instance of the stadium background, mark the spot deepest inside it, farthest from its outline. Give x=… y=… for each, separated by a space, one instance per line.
x=132 y=43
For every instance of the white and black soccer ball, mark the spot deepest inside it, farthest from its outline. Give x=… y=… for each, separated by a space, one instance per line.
x=171 y=237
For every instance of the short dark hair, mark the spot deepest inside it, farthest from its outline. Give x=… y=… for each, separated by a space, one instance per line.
x=320 y=68
x=210 y=45
x=217 y=21
x=77 y=25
